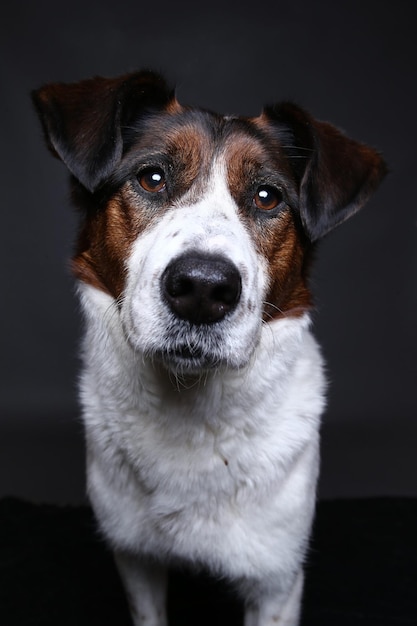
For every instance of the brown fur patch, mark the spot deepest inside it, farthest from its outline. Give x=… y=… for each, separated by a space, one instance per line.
x=278 y=239
x=245 y=158
x=174 y=107
x=189 y=150
x=105 y=241
x=288 y=256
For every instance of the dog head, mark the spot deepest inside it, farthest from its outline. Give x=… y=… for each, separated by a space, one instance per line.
x=199 y=226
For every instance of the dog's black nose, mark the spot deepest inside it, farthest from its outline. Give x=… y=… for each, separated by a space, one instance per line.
x=201 y=288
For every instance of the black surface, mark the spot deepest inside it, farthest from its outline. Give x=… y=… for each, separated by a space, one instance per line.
x=361 y=569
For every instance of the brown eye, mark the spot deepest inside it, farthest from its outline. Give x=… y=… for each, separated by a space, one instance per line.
x=152 y=180
x=267 y=198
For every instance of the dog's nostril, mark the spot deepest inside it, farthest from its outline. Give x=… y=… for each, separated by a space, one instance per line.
x=200 y=288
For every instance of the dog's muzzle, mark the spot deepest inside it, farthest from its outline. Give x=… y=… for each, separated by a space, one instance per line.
x=201 y=288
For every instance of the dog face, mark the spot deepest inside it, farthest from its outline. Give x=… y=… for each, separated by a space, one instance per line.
x=199 y=226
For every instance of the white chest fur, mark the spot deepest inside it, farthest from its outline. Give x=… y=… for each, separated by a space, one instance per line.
x=220 y=470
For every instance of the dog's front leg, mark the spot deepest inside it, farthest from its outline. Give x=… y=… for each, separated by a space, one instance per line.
x=276 y=608
x=145 y=584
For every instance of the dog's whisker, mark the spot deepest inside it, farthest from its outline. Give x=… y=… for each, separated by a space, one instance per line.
x=272 y=306
x=111 y=311
x=295 y=310
x=304 y=148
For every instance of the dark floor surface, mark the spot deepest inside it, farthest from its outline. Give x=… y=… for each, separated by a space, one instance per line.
x=361 y=570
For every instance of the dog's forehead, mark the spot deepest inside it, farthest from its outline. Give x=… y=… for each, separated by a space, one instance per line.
x=199 y=135
x=193 y=141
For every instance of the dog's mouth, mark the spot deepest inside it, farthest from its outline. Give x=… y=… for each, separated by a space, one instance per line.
x=188 y=357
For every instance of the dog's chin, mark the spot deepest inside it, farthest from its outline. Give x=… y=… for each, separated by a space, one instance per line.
x=189 y=351
x=184 y=361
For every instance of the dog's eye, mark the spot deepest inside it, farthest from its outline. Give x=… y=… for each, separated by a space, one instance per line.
x=267 y=198
x=152 y=179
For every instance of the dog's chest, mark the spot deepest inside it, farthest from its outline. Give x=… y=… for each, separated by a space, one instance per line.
x=197 y=486
x=187 y=442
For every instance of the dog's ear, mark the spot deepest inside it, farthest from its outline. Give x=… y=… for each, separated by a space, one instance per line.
x=336 y=174
x=83 y=122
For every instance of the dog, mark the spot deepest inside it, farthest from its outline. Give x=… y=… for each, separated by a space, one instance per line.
x=202 y=386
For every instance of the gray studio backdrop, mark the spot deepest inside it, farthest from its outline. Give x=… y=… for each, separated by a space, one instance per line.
x=352 y=63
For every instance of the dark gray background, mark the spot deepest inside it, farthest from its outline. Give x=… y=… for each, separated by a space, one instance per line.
x=352 y=63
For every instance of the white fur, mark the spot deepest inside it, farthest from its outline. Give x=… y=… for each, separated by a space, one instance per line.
x=217 y=469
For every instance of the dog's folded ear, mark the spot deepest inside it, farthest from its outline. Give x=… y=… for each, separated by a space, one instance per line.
x=336 y=175
x=83 y=122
